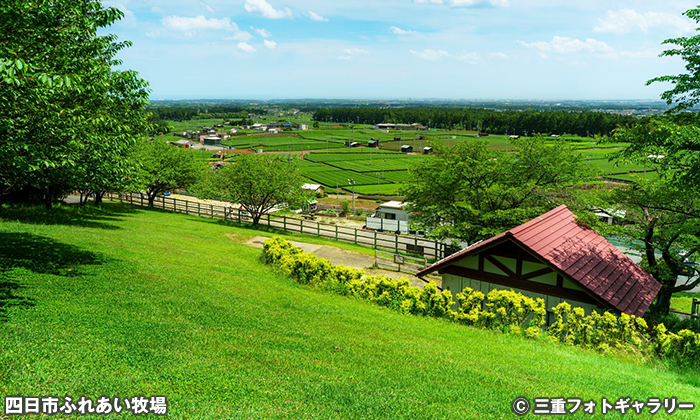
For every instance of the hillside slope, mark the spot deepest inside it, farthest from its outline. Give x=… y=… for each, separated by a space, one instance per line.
x=126 y=301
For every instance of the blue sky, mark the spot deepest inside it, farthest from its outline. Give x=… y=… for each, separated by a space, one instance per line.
x=400 y=49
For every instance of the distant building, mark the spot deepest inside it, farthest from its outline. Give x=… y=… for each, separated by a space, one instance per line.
x=391 y=216
x=406 y=148
x=427 y=150
x=315 y=188
x=212 y=141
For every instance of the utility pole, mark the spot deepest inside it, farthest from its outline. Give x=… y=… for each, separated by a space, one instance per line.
x=352 y=182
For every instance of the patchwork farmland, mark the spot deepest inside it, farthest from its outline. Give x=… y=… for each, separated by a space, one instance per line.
x=324 y=157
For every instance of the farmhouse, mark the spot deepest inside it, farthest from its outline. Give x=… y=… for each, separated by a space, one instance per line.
x=554 y=258
x=373 y=143
x=183 y=143
x=427 y=150
x=315 y=188
x=390 y=216
x=406 y=148
x=212 y=140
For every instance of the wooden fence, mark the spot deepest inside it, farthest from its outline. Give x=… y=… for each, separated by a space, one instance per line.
x=399 y=262
x=428 y=248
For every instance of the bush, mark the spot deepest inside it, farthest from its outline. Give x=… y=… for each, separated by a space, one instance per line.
x=397 y=294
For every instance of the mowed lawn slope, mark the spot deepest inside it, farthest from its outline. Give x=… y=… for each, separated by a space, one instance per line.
x=166 y=304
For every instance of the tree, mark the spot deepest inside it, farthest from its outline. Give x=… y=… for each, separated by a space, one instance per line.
x=258 y=183
x=663 y=222
x=471 y=192
x=61 y=101
x=663 y=211
x=164 y=167
x=686 y=86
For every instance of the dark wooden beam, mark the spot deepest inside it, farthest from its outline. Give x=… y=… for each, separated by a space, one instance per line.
x=537 y=273
x=500 y=265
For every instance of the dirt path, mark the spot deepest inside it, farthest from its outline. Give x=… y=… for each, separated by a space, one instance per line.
x=347 y=258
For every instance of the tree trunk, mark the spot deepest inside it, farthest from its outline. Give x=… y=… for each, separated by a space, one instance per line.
x=48 y=198
x=98 y=198
x=662 y=304
x=151 y=199
x=256 y=218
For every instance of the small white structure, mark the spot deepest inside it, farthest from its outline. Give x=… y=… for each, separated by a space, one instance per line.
x=390 y=216
x=314 y=188
x=610 y=216
x=273 y=131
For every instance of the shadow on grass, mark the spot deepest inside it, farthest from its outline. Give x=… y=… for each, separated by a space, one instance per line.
x=37 y=254
x=71 y=215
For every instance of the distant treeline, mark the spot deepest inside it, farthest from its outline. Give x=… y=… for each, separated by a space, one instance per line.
x=182 y=113
x=491 y=121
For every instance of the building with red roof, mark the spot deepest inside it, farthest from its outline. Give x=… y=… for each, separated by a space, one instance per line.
x=554 y=258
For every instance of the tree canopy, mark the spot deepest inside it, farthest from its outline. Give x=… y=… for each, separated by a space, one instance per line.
x=258 y=183
x=471 y=192
x=164 y=167
x=686 y=86
x=63 y=106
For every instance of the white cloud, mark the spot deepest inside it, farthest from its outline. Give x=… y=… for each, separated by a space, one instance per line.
x=180 y=23
x=262 y=32
x=566 y=45
x=430 y=55
x=206 y=6
x=156 y=9
x=435 y=55
x=189 y=26
x=398 y=31
x=270 y=44
x=351 y=53
x=266 y=9
x=628 y=20
x=317 y=17
x=467 y=3
x=244 y=46
x=498 y=55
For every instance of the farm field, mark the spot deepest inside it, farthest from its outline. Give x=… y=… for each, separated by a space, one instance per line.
x=125 y=301
x=329 y=162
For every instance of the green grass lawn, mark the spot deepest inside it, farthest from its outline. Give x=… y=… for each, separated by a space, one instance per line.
x=126 y=301
x=683 y=301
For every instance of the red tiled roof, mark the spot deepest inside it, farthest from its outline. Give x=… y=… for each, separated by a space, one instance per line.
x=582 y=255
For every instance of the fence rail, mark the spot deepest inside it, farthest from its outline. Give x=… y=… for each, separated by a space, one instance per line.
x=399 y=262
x=428 y=248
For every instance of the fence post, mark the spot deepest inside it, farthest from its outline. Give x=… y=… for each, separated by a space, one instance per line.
x=415 y=245
x=187 y=206
x=211 y=210
x=375 y=244
x=396 y=240
x=240 y=220
x=284 y=223
x=199 y=209
x=336 y=232
x=355 y=236
x=268 y=219
x=318 y=229
x=301 y=226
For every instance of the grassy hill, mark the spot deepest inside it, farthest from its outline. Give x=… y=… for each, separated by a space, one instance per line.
x=126 y=301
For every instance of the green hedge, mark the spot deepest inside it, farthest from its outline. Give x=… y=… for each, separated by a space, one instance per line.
x=503 y=310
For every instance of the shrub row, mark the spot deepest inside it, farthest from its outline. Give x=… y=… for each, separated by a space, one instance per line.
x=397 y=294
x=503 y=310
